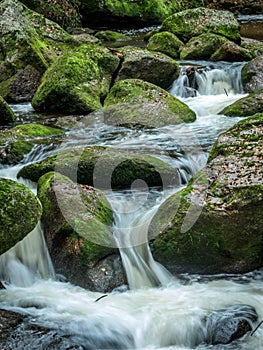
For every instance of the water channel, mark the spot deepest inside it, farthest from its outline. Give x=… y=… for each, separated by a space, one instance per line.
x=157 y=311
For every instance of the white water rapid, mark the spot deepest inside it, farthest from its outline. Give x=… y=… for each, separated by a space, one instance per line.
x=158 y=311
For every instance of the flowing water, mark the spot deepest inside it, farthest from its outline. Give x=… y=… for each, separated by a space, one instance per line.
x=158 y=311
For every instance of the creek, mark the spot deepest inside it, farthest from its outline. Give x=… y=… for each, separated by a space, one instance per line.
x=156 y=310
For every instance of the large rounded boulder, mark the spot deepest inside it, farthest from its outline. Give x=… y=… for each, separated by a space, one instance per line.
x=77 y=82
x=20 y=212
x=215 y=224
x=189 y=23
x=77 y=226
x=252 y=75
x=136 y=103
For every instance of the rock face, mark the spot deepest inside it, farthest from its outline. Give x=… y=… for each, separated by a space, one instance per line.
x=15 y=143
x=77 y=226
x=28 y=44
x=77 y=81
x=134 y=103
x=252 y=75
x=19 y=213
x=104 y=168
x=215 y=224
x=189 y=23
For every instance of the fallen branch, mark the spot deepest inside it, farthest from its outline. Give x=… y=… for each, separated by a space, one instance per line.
x=257 y=327
x=103 y=296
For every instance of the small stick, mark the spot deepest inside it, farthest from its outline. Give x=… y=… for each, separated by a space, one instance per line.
x=226 y=92
x=103 y=296
x=257 y=327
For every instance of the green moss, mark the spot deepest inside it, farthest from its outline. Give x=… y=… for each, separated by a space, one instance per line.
x=6 y=114
x=166 y=43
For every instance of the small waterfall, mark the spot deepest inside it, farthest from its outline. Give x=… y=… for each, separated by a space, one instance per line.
x=132 y=219
x=208 y=79
x=27 y=261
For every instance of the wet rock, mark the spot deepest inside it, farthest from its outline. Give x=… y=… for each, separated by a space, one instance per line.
x=20 y=212
x=252 y=75
x=232 y=52
x=77 y=225
x=136 y=103
x=8 y=321
x=225 y=326
x=215 y=224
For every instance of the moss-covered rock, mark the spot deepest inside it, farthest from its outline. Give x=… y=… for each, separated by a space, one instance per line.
x=232 y=52
x=65 y=12
x=190 y=23
x=7 y=116
x=246 y=106
x=27 y=39
x=104 y=168
x=134 y=102
x=77 y=81
x=20 y=211
x=119 y=12
x=15 y=143
x=154 y=67
x=77 y=225
x=110 y=35
x=166 y=43
x=215 y=224
x=252 y=75
x=202 y=46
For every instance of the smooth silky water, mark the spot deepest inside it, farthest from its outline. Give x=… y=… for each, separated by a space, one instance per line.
x=156 y=310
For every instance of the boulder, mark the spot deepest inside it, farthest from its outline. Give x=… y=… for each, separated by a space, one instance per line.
x=15 y=143
x=252 y=75
x=166 y=43
x=27 y=39
x=154 y=67
x=7 y=116
x=125 y=13
x=246 y=106
x=77 y=82
x=136 y=103
x=214 y=225
x=232 y=52
x=104 y=168
x=77 y=226
x=190 y=23
x=20 y=212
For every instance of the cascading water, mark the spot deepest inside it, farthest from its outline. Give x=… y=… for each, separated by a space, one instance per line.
x=174 y=315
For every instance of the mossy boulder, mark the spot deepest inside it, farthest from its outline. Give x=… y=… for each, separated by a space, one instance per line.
x=65 y=12
x=119 y=12
x=77 y=81
x=110 y=36
x=154 y=67
x=252 y=75
x=20 y=212
x=27 y=39
x=246 y=106
x=77 y=226
x=7 y=116
x=190 y=23
x=136 y=103
x=104 y=168
x=15 y=143
x=232 y=52
x=166 y=43
x=202 y=46
x=215 y=224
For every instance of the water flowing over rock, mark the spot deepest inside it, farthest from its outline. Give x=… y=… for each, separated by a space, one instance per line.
x=77 y=226
x=20 y=212
x=215 y=224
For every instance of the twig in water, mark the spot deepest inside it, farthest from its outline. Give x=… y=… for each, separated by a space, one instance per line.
x=103 y=296
x=257 y=327
x=226 y=92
